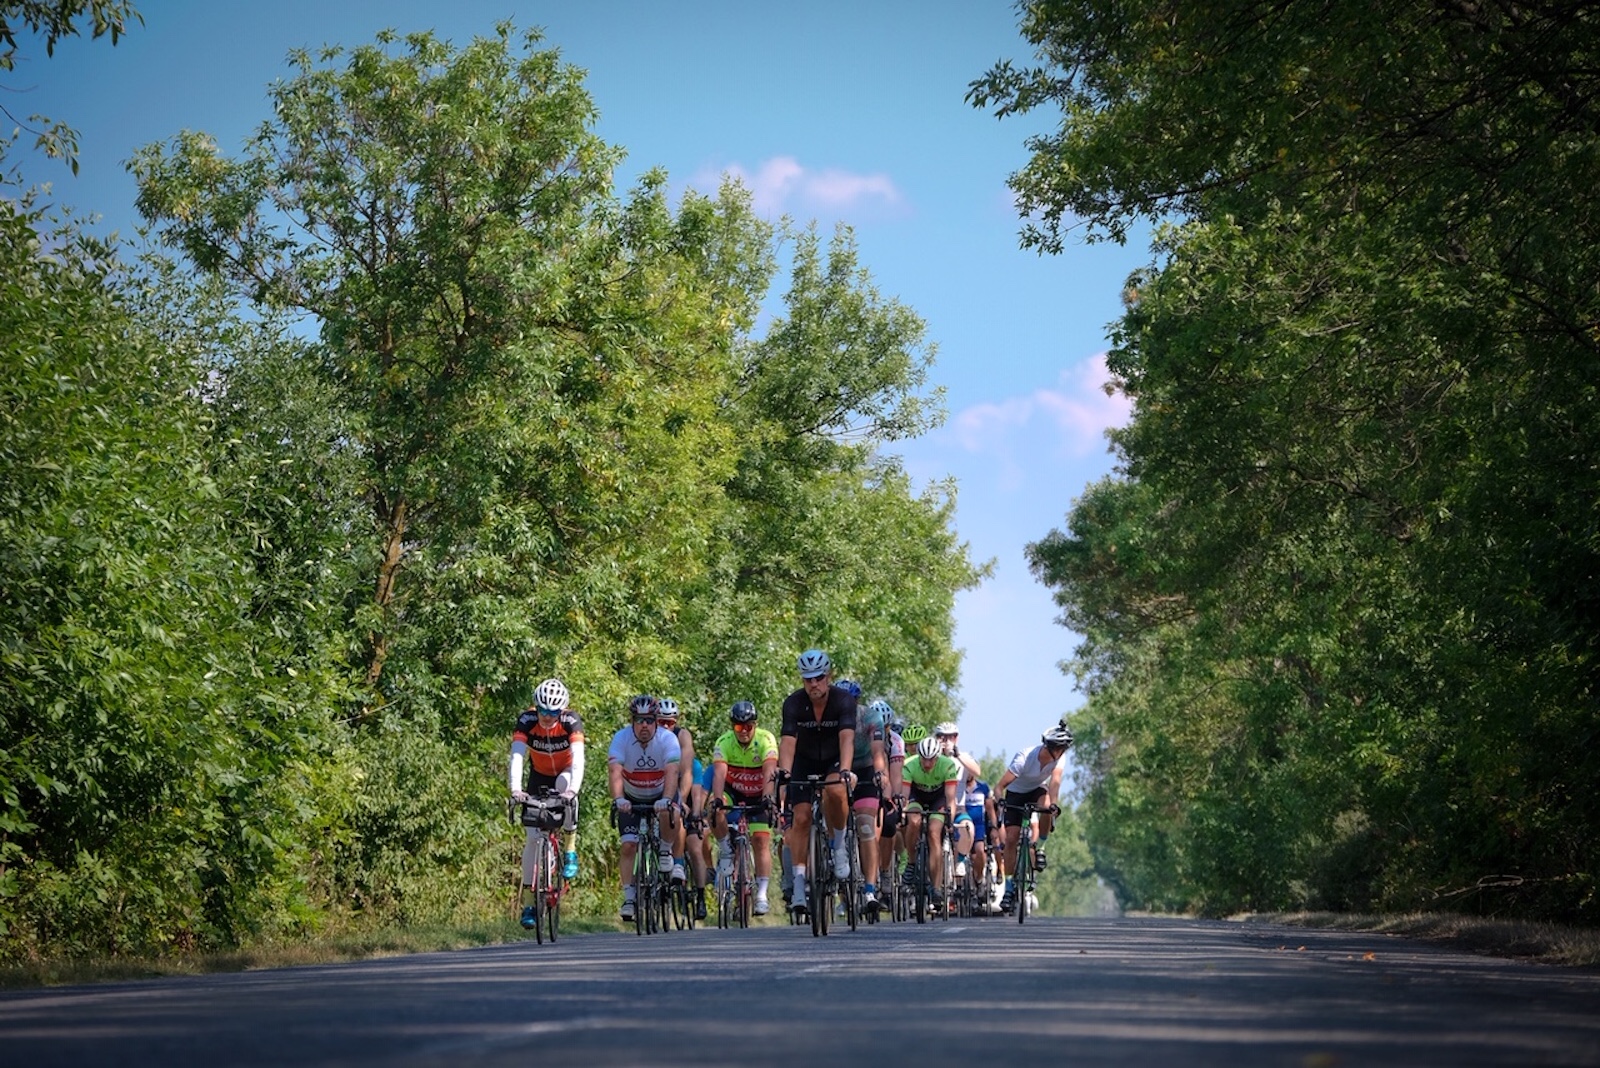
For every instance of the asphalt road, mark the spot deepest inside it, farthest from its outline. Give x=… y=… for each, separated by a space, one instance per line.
x=978 y=992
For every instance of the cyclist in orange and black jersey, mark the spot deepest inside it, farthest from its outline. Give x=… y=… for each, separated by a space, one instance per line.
x=549 y=739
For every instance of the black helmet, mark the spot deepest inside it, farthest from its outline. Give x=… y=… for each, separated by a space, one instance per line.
x=742 y=712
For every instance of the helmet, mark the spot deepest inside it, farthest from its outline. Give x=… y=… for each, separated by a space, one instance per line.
x=667 y=710
x=1058 y=737
x=947 y=728
x=929 y=748
x=742 y=712
x=814 y=663
x=897 y=725
x=552 y=695
x=643 y=705
x=851 y=687
x=881 y=708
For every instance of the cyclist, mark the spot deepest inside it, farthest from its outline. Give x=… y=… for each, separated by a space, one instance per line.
x=889 y=831
x=643 y=766
x=744 y=763
x=1033 y=777
x=818 y=737
x=978 y=804
x=870 y=765
x=930 y=782
x=686 y=841
x=549 y=738
x=965 y=831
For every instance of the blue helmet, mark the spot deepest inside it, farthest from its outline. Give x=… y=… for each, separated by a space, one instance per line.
x=850 y=686
x=814 y=664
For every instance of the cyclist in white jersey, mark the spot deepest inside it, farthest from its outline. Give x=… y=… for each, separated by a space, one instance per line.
x=968 y=772
x=1033 y=777
x=643 y=766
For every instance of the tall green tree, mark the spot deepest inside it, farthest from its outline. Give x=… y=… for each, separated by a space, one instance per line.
x=1358 y=538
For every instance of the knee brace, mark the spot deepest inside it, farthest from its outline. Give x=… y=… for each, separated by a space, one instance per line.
x=866 y=826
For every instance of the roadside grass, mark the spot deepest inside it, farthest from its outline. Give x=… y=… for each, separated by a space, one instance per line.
x=394 y=942
x=1544 y=943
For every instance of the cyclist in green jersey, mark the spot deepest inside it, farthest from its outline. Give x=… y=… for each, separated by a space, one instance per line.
x=744 y=764
x=930 y=782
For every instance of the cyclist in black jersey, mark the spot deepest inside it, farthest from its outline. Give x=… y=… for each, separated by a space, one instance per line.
x=818 y=738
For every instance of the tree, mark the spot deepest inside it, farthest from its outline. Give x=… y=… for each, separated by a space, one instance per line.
x=55 y=19
x=1353 y=460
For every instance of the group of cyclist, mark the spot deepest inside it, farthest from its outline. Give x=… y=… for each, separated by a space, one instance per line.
x=851 y=760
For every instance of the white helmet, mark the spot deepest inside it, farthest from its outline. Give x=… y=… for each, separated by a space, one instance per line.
x=667 y=709
x=552 y=695
x=929 y=748
x=947 y=728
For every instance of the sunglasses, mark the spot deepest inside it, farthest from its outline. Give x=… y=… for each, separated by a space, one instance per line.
x=645 y=719
x=550 y=712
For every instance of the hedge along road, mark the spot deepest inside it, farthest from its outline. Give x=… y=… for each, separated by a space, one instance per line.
x=1123 y=991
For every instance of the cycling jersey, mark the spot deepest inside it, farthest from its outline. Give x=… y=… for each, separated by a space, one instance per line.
x=1030 y=772
x=945 y=769
x=745 y=776
x=549 y=748
x=869 y=729
x=973 y=802
x=816 y=739
x=644 y=767
x=894 y=745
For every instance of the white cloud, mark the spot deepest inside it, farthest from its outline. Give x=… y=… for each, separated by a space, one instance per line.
x=782 y=184
x=1078 y=411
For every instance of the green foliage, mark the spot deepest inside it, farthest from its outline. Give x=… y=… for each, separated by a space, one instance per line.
x=55 y=19
x=425 y=414
x=1339 y=603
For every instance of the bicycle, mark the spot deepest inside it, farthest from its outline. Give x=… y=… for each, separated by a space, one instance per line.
x=649 y=884
x=736 y=890
x=544 y=813
x=820 y=882
x=680 y=895
x=892 y=896
x=922 y=889
x=1026 y=875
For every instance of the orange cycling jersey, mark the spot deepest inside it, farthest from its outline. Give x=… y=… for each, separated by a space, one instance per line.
x=549 y=748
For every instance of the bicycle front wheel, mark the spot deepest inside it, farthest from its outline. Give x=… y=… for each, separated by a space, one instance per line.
x=1024 y=876
x=742 y=864
x=541 y=865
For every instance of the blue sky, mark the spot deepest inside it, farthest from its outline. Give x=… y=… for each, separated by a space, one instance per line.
x=834 y=111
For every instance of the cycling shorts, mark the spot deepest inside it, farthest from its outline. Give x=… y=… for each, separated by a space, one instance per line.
x=929 y=801
x=1012 y=816
x=628 y=822
x=800 y=793
x=751 y=805
x=891 y=821
x=866 y=796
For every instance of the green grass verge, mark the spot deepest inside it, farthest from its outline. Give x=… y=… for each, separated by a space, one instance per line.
x=358 y=945
x=1546 y=943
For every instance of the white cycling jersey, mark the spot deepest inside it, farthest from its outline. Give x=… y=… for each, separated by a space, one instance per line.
x=644 y=767
x=1033 y=768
